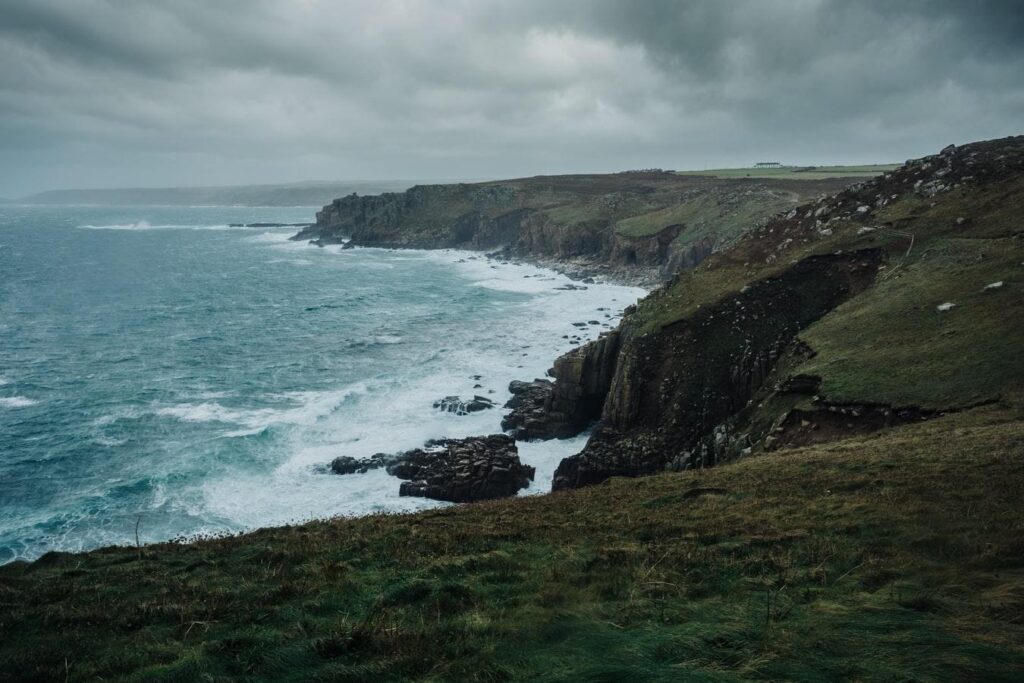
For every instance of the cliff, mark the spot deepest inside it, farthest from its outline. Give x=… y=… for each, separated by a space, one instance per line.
x=895 y=300
x=634 y=225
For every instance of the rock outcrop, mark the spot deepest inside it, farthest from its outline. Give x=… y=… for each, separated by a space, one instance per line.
x=703 y=385
x=459 y=406
x=463 y=470
x=555 y=410
x=673 y=387
x=345 y=464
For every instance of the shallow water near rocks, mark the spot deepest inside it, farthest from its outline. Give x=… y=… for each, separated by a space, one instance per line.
x=160 y=367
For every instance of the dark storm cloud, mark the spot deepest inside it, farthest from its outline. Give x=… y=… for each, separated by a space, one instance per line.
x=112 y=92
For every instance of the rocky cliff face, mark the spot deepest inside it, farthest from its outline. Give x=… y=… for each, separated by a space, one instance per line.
x=550 y=410
x=804 y=329
x=672 y=387
x=648 y=223
x=709 y=368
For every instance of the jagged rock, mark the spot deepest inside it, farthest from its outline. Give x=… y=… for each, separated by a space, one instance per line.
x=455 y=404
x=530 y=416
x=545 y=410
x=673 y=389
x=463 y=470
x=345 y=464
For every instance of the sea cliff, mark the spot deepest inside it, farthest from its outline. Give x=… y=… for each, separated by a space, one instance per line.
x=893 y=301
x=637 y=226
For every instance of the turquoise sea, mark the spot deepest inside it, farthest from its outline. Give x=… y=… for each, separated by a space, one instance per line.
x=160 y=368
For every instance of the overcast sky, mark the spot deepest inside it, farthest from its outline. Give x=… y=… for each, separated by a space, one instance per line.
x=115 y=93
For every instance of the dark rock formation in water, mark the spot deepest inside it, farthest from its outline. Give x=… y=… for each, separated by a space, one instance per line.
x=455 y=404
x=456 y=470
x=345 y=464
x=555 y=410
x=463 y=470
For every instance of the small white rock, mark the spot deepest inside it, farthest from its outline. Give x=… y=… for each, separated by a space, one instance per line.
x=863 y=209
x=994 y=285
x=945 y=307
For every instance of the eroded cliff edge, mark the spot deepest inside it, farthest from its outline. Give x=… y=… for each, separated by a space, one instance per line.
x=896 y=300
x=636 y=226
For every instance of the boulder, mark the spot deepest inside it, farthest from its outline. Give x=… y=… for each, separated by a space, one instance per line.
x=463 y=470
x=531 y=417
x=345 y=464
x=455 y=404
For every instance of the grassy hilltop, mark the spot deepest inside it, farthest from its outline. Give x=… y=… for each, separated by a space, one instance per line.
x=863 y=521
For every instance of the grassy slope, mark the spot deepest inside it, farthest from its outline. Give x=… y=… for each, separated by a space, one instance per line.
x=891 y=344
x=895 y=557
x=725 y=217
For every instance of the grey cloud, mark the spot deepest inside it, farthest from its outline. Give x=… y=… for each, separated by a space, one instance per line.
x=111 y=92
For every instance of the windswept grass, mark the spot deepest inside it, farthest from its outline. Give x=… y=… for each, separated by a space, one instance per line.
x=721 y=216
x=894 y=557
x=892 y=344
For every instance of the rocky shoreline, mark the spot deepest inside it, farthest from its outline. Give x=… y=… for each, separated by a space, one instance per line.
x=476 y=468
x=454 y=470
x=710 y=367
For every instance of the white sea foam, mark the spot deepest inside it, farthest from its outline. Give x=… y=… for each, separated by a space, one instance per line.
x=545 y=456
x=398 y=415
x=16 y=402
x=301 y=494
x=311 y=406
x=277 y=477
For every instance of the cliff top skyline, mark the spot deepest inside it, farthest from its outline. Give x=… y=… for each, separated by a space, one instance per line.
x=105 y=94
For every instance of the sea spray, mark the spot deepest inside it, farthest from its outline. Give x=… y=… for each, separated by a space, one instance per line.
x=202 y=376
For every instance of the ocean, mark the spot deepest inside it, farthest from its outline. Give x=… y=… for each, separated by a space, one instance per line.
x=162 y=370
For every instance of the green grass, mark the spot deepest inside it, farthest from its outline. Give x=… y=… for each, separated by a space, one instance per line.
x=709 y=214
x=797 y=172
x=891 y=345
x=895 y=557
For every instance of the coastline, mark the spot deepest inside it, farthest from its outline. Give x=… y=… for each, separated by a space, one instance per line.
x=292 y=426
